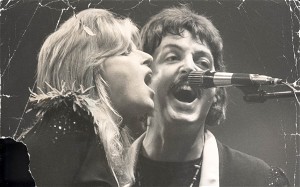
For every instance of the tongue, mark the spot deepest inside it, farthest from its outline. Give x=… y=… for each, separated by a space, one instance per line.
x=185 y=96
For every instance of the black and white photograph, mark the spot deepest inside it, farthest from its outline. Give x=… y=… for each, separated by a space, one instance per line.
x=150 y=93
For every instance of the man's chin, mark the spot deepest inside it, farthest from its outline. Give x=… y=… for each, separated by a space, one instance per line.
x=176 y=114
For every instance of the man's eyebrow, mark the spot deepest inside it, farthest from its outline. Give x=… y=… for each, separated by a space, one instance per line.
x=173 y=46
x=197 y=53
x=203 y=53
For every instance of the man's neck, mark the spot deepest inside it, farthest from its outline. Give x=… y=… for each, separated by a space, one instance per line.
x=173 y=142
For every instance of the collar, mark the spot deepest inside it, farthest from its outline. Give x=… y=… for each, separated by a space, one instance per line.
x=210 y=164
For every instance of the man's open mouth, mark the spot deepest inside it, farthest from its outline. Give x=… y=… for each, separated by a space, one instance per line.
x=184 y=93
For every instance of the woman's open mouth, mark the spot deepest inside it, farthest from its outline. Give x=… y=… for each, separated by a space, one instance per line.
x=148 y=79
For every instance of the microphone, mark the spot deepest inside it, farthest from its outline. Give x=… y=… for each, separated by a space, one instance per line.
x=208 y=79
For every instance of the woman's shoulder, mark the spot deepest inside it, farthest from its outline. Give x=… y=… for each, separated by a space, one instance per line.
x=63 y=139
x=60 y=114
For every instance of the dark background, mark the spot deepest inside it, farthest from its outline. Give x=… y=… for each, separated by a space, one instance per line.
x=259 y=37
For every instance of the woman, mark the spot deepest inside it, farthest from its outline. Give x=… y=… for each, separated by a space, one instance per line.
x=89 y=74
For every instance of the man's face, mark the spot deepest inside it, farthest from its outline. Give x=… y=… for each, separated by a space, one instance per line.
x=174 y=59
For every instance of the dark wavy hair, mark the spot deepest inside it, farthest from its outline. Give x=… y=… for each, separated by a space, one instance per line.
x=174 y=21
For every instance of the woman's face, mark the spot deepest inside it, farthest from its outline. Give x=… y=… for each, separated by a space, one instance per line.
x=128 y=76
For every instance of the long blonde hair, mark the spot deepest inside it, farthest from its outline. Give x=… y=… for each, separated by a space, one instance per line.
x=73 y=54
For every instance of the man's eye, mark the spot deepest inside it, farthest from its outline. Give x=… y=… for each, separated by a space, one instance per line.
x=204 y=64
x=172 y=58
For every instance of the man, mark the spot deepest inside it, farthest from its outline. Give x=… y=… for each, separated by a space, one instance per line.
x=176 y=149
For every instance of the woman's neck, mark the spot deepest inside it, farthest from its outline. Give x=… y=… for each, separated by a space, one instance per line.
x=137 y=126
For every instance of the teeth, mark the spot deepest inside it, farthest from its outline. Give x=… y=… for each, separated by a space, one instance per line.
x=184 y=87
x=184 y=93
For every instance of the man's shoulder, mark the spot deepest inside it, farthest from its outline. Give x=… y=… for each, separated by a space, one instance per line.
x=241 y=160
x=237 y=168
x=240 y=169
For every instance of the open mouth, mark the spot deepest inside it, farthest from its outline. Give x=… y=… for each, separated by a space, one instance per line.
x=148 y=79
x=185 y=94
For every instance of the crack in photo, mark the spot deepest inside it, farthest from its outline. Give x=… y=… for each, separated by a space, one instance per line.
x=259 y=37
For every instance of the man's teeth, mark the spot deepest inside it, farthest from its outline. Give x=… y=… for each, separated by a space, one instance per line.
x=184 y=87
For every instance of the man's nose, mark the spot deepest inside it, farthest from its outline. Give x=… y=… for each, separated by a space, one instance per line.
x=188 y=65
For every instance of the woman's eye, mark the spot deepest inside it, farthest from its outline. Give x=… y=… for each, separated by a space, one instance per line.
x=126 y=53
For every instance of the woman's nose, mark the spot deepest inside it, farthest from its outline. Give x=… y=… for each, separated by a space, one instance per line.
x=147 y=59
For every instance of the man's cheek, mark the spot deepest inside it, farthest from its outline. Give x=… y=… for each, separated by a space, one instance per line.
x=156 y=79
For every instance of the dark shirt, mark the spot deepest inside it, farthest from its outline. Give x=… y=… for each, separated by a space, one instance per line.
x=235 y=169
x=159 y=173
x=64 y=148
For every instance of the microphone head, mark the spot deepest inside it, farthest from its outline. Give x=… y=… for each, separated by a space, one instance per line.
x=195 y=78
x=208 y=79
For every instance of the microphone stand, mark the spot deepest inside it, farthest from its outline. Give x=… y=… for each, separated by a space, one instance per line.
x=261 y=95
x=256 y=95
